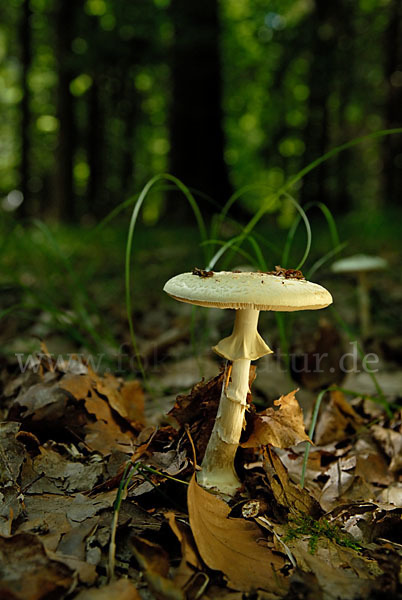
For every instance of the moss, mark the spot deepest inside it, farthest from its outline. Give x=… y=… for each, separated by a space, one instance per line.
x=307 y=526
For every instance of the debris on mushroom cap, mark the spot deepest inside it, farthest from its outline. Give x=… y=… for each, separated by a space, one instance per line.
x=202 y=272
x=286 y=273
x=359 y=262
x=261 y=291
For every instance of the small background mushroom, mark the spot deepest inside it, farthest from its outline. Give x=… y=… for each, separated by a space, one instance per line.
x=359 y=266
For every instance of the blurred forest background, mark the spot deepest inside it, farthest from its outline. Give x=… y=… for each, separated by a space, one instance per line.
x=99 y=95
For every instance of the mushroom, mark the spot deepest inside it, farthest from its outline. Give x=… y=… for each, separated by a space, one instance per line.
x=360 y=265
x=248 y=294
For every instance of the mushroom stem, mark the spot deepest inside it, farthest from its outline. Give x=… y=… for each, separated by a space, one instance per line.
x=218 y=464
x=364 y=304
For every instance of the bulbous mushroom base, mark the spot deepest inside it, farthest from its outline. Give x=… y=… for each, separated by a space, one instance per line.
x=218 y=472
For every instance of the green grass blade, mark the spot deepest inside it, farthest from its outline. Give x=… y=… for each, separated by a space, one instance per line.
x=223 y=244
x=292 y=231
x=134 y=217
x=321 y=261
x=246 y=231
x=331 y=153
x=221 y=252
x=313 y=165
x=261 y=263
x=330 y=222
x=311 y=433
x=217 y=222
x=333 y=230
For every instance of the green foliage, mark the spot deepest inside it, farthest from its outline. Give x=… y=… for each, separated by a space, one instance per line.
x=118 y=67
x=317 y=530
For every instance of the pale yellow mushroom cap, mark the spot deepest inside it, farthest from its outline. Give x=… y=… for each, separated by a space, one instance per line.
x=259 y=291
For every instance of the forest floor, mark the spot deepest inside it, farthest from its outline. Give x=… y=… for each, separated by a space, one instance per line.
x=98 y=497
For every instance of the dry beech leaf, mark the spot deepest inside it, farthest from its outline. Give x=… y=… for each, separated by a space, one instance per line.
x=79 y=386
x=154 y=562
x=126 y=398
x=391 y=442
x=340 y=573
x=122 y=589
x=341 y=476
x=233 y=546
x=27 y=573
x=12 y=453
x=287 y=493
x=190 y=561
x=337 y=417
x=281 y=428
x=105 y=435
x=183 y=534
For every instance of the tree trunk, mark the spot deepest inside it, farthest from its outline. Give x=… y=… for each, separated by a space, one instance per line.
x=128 y=145
x=392 y=145
x=26 y=59
x=196 y=131
x=95 y=151
x=345 y=74
x=63 y=205
x=316 y=134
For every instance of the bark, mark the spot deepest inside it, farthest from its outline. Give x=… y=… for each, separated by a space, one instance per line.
x=346 y=67
x=392 y=146
x=316 y=134
x=26 y=59
x=128 y=145
x=95 y=150
x=196 y=130
x=63 y=206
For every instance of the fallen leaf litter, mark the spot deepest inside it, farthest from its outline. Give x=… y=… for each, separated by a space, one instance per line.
x=69 y=436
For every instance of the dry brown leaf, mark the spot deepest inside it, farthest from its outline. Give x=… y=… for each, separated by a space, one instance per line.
x=371 y=465
x=233 y=546
x=105 y=435
x=281 y=428
x=183 y=534
x=73 y=542
x=340 y=573
x=12 y=453
x=78 y=385
x=132 y=402
x=85 y=571
x=286 y=492
x=122 y=589
x=190 y=561
x=27 y=573
x=391 y=441
x=154 y=561
x=58 y=406
x=126 y=398
x=336 y=419
x=198 y=410
x=341 y=476
x=392 y=494
x=66 y=474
